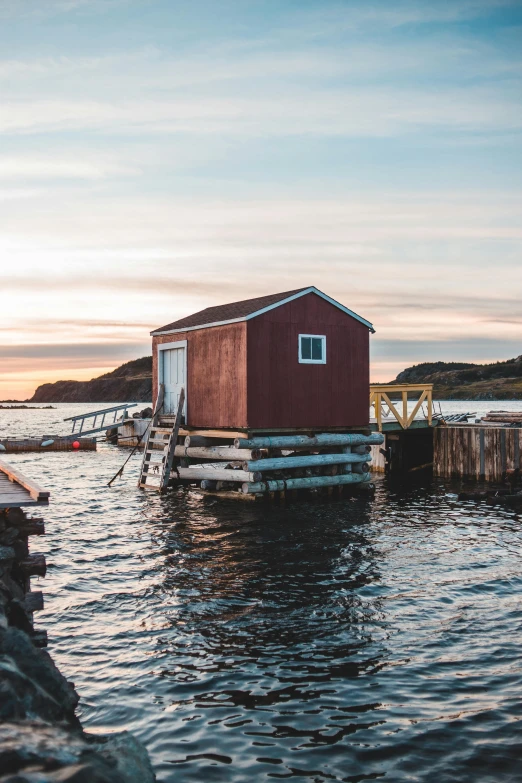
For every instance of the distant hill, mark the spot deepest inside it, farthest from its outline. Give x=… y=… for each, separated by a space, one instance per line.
x=132 y=382
x=463 y=381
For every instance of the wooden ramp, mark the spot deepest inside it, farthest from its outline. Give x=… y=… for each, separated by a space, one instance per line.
x=101 y=425
x=16 y=490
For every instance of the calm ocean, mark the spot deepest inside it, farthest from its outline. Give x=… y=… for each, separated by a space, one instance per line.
x=345 y=641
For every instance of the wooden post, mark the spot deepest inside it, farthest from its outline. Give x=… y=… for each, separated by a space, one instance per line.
x=305 y=483
x=378 y=413
x=212 y=453
x=361 y=449
x=33 y=565
x=216 y=474
x=32 y=527
x=309 y=460
x=320 y=440
x=34 y=601
x=208 y=484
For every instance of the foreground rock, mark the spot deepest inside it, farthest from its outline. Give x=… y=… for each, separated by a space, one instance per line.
x=36 y=752
x=41 y=739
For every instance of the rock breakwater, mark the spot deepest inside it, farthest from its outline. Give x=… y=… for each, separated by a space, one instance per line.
x=41 y=739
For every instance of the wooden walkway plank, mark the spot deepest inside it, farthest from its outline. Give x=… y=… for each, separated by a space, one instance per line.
x=34 y=489
x=16 y=490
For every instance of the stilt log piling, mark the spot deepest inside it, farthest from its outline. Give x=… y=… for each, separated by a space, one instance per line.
x=259 y=465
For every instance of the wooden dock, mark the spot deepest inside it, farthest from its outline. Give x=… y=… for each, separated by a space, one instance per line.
x=476 y=452
x=17 y=563
x=17 y=491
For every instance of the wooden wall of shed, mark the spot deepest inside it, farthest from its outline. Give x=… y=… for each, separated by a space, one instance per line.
x=216 y=374
x=476 y=452
x=284 y=393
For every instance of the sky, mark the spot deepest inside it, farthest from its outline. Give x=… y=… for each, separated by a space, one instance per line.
x=160 y=156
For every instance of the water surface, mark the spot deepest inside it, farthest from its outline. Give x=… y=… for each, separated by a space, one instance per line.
x=345 y=641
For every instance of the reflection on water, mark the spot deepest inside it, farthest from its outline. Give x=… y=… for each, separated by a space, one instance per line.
x=350 y=641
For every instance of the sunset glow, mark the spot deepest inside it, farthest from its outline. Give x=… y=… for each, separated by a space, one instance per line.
x=158 y=157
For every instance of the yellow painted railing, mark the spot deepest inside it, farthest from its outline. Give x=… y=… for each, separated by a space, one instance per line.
x=380 y=394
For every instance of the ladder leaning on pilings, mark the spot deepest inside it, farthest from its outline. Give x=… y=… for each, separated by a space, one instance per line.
x=99 y=426
x=154 y=444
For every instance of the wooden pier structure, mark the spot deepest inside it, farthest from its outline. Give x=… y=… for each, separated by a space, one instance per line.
x=275 y=399
x=275 y=396
x=17 y=491
x=252 y=464
x=482 y=451
x=477 y=452
x=381 y=398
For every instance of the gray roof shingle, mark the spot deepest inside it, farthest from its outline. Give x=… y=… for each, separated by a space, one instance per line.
x=227 y=312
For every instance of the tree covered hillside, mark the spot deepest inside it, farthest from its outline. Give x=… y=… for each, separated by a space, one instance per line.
x=463 y=381
x=131 y=382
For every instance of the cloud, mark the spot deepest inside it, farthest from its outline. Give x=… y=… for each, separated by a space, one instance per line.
x=93 y=351
x=42 y=325
x=479 y=350
x=306 y=74
x=15 y=194
x=159 y=285
x=330 y=112
x=269 y=146
x=354 y=15
x=54 y=168
x=25 y=9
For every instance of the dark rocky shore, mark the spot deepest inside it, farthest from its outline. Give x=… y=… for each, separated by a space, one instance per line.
x=41 y=739
x=464 y=381
x=132 y=381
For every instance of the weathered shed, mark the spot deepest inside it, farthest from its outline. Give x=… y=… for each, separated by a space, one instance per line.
x=296 y=359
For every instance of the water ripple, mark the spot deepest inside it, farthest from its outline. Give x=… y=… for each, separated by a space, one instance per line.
x=348 y=641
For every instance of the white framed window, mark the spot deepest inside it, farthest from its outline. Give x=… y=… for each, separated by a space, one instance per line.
x=312 y=349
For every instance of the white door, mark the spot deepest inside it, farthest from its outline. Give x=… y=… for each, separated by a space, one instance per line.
x=173 y=367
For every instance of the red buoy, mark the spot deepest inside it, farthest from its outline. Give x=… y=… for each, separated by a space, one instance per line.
x=76 y=444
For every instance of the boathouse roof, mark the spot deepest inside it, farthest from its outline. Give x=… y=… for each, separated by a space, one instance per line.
x=246 y=309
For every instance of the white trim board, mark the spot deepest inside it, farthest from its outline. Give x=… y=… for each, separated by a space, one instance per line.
x=300 y=358
x=170 y=346
x=311 y=290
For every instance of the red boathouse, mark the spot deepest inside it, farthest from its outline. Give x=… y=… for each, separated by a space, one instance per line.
x=292 y=360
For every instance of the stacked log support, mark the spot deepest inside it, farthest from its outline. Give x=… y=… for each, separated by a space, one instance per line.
x=273 y=466
x=17 y=566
